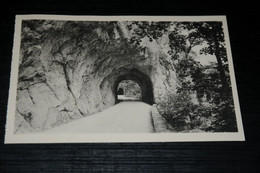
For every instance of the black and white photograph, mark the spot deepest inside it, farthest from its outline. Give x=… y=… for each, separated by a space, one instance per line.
x=122 y=79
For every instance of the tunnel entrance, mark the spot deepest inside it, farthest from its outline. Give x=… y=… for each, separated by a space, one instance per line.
x=129 y=90
x=139 y=87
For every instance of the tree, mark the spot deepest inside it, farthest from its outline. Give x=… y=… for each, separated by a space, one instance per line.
x=213 y=34
x=183 y=38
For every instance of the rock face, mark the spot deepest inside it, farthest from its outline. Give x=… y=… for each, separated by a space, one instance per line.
x=69 y=70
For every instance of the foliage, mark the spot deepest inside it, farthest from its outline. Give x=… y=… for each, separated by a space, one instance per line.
x=183 y=38
x=209 y=85
x=182 y=114
x=144 y=29
x=130 y=88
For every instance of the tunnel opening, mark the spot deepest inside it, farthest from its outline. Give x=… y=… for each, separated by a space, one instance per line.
x=135 y=79
x=129 y=90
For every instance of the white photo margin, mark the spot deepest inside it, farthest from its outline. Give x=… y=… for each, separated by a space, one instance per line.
x=10 y=137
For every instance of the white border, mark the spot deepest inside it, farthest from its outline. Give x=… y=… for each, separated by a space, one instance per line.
x=104 y=137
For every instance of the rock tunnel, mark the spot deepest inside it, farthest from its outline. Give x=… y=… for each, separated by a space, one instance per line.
x=141 y=79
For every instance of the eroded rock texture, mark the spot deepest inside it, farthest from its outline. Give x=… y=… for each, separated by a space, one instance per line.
x=69 y=70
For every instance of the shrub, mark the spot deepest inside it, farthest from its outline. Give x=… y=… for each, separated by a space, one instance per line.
x=183 y=114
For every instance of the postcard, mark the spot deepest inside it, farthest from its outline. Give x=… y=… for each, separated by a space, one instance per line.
x=82 y=79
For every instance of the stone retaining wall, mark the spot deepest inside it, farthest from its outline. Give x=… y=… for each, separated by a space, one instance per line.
x=159 y=122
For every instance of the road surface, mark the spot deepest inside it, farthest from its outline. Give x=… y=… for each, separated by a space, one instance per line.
x=124 y=117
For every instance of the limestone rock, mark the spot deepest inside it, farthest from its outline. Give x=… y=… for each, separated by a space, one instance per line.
x=74 y=72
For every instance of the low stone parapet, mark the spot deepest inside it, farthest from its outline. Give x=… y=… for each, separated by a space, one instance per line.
x=159 y=122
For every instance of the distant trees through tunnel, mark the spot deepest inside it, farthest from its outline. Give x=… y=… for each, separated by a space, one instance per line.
x=129 y=90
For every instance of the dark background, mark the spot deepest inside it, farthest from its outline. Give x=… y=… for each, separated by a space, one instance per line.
x=142 y=157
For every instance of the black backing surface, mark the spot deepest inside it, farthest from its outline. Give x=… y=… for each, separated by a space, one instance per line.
x=142 y=157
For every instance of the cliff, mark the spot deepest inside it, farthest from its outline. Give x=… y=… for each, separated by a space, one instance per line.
x=68 y=70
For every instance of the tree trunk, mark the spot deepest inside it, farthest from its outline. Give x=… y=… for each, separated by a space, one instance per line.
x=221 y=70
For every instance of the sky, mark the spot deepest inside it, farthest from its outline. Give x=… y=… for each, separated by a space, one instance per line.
x=202 y=58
